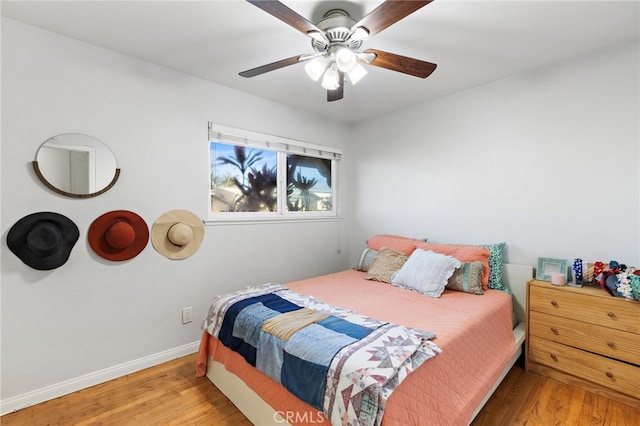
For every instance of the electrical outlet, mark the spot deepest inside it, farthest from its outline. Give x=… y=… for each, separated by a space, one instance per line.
x=187 y=315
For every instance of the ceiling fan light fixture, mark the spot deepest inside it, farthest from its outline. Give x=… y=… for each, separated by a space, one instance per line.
x=331 y=79
x=356 y=74
x=346 y=60
x=316 y=67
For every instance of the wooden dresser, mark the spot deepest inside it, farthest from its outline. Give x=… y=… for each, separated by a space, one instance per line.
x=584 y=337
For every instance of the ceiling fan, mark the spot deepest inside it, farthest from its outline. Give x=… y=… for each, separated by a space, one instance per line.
x=336 y=40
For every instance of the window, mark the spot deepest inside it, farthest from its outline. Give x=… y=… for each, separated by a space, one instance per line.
x=262 y=177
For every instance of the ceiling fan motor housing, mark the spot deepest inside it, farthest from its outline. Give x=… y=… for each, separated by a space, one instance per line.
x=336 y=25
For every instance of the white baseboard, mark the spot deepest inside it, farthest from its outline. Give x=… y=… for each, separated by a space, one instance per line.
x=68 y=386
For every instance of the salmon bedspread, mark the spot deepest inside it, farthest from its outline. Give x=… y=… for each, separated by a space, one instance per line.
x=473 y=332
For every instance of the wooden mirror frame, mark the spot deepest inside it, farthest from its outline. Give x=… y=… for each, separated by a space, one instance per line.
x=48 y=184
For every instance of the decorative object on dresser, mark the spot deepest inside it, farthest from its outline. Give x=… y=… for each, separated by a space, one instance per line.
x=584 y=337
x=615 y=278
x=547 y=267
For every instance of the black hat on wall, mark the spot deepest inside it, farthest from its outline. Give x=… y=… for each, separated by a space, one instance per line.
x=43 y=240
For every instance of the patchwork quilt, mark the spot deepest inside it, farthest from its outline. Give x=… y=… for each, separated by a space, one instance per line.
x=336 y=360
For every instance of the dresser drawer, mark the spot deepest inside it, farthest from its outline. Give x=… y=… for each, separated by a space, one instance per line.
x=609 y=342
x=616 y=375
x=603 y=310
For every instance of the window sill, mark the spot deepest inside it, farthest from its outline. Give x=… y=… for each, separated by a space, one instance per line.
x=256 y=220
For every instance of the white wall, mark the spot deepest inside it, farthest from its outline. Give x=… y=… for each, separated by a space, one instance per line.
x=547 y=161
x=92 y=314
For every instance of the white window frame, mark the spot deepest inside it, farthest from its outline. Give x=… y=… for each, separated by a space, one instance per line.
x=282 y=146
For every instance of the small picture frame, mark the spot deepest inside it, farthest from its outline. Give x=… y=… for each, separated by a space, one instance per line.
x=548 y=266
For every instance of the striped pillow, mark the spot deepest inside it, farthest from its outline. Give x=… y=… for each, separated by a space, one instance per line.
x=366 y=259
x=467 y=278
x=464 y=253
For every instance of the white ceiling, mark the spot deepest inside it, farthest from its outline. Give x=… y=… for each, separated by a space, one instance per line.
x=473 y=42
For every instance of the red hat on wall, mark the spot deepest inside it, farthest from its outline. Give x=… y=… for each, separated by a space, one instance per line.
x=118 y=235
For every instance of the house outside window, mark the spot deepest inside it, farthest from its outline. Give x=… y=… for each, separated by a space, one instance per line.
x=255 y=176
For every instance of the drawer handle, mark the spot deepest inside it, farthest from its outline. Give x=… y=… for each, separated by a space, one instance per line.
x=555 y=331
x=554 y=303
x=610 y=374
x=611 y=315
x=554 y=357
x=611 y=345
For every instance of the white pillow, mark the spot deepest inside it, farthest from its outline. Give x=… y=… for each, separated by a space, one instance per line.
x=426 y=272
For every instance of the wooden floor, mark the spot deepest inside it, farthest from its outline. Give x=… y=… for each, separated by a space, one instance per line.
x=169 y=394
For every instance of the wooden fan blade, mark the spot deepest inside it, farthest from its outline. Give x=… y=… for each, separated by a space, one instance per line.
x=272 y=66
x=286 y=15
x=403 y=64
x=388 y=13
x=336 y=95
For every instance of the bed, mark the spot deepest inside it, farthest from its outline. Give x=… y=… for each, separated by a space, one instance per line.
x=479 y=337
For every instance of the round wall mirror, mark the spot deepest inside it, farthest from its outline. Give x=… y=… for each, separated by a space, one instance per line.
x=76 y=165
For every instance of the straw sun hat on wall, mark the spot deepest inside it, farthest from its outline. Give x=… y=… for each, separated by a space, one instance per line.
x=177 y=234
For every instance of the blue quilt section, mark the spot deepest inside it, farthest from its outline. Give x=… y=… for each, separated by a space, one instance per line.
x=299 y=364
x=239 y=344
x=307 y=356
